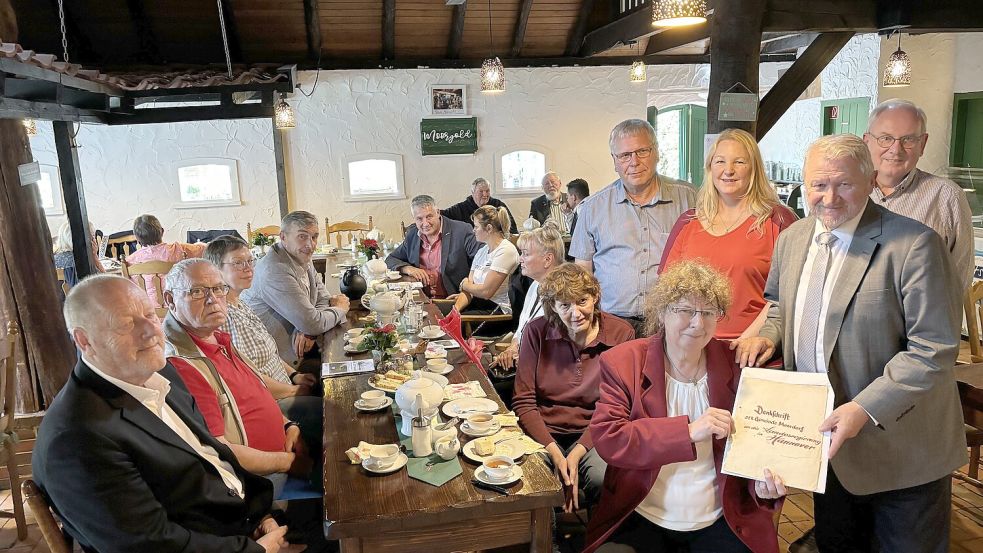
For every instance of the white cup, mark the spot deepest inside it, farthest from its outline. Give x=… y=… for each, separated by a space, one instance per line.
x=498 y=467
x=383 y=456
x=437 y=365
x=353 y=332
x=480 y=421
x=373 y=398
x=432 y=331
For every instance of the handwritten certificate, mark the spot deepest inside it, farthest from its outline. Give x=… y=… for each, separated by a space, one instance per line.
x=776 y=419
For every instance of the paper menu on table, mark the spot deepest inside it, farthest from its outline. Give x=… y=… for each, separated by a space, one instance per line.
x=776 y=418
x=346 y=368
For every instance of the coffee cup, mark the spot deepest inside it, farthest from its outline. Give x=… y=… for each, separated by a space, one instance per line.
x=383 y=456
x=480 y=421
x=432 y=331
x=498 y=467
x=437 y=365
x=353 y=332
x=373 y=398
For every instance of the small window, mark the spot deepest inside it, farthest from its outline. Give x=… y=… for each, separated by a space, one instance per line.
x=374 y=177
x=49 y=187
x=520 y=169
x=208 y=182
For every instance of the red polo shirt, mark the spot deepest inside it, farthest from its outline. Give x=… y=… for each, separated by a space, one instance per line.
x=430 y=262
x=260 y=414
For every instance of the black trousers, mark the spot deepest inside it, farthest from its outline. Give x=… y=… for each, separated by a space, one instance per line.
x=636 y=534
x=910 y=520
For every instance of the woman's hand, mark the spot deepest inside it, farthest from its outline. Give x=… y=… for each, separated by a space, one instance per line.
x=713 y=422
x=507 y=358
x=572 y=502
x=772 y=487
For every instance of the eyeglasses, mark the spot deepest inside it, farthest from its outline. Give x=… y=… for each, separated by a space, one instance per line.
x=199 y=292
x=690 y=313
x=907 y=142
x=640 y=153
x=242 y=265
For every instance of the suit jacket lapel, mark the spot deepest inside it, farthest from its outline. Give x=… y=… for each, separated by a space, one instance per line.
x=653 y=396
x=798 y=249
x=854 y=268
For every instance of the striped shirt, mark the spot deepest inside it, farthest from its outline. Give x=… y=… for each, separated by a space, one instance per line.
x=557 y=215
x=625 y=240
x=251 y=338
x=940 y=204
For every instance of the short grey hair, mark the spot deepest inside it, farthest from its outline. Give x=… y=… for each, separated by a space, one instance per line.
x=88 y=298
x=298 y=219
x=177 y=277
x=897 y=103
x=548 y=175
x=548 y=238
x=423 y=200
x=480 y=180
x=632 y=127
x=837 y=146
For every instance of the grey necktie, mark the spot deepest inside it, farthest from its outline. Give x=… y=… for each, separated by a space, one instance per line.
x=805 y=346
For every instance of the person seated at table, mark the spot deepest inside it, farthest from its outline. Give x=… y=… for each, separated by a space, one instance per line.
x=480 y=197
x=540 y=251
x=577 y=191
x=291 y=388
x=150 y=236
x=287 y=293
x=238 y=408
x=123 y=455
x=552 y=205
x=734 y=227
x=436 y=250
x=556 y=382
x=485 y=289
x=64 y=254
x=661 y=423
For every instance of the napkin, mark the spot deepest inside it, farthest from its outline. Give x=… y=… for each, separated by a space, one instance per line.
x=451 y=324
x=360 y=452
x=515 y=435
x=471 y=388
x=438 y=475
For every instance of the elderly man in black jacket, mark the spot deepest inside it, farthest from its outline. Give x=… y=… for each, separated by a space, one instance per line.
x=123 y=454
x=480 y=196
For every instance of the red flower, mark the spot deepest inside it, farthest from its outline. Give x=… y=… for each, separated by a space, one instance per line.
x=388 y=328
x=369 y=243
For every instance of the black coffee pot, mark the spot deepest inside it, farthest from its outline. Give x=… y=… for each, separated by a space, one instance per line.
x=353 y=284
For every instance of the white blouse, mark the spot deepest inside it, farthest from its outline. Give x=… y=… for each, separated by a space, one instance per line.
x=685 y=497
x=531 y=308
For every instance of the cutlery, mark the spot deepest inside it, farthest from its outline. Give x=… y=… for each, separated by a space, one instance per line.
x=492 y=487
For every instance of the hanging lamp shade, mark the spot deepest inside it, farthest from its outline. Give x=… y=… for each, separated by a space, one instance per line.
x=283 y=115
x=637 y=72
x=492 y=75
x=678 y=13
x=897 y=73
x=31 y=126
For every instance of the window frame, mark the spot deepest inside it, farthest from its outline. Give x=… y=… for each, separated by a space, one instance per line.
x=231 y=163
x=398 y=194
x=499 y=183
x=56 y=192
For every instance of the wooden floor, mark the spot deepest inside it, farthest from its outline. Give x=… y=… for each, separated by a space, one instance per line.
x=966 y=534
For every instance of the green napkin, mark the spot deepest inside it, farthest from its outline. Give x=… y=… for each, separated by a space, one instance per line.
x=438 y=475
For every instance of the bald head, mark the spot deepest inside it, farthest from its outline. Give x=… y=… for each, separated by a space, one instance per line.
x=90 y=301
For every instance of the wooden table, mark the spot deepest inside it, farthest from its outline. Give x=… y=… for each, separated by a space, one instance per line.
x=394 y=512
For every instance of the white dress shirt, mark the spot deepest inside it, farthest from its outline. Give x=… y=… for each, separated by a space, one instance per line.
x=152 y=395
x=531 y=308
x=837 y=255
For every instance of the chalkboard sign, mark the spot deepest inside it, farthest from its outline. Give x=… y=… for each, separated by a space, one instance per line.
x=445 y=136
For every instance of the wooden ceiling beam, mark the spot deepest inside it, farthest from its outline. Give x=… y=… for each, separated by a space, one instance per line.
x=576 y=39
x=788 y=44
x=624 y=30
x=671 y=38
x=312 y=24
x=790 y=86
x=388 y=29
x=519 y=36
x=457 y=31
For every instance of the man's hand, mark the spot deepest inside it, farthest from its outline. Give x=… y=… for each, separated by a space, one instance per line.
x=772 y=487
x=846 y=421
x=302 y=344
x=273 y=540
x=303 y=379
x=713 y=422
x=572 y=500
x=753 y=352
x=340 y=301
x=417 y=273
x=267 y=525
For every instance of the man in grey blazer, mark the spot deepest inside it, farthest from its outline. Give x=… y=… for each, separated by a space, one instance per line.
x=437 y=250
x=871 y=298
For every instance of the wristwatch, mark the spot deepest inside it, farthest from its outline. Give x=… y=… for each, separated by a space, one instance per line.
x=288 y=424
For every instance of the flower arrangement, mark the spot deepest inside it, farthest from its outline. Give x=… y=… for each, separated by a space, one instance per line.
x=263 y=240
x=380 y=338
x=369 y=247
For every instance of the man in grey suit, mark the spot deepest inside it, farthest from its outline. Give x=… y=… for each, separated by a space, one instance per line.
x=870 y=298
x=437 y=250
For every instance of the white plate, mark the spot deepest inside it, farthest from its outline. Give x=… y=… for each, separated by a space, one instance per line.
x=439 y=379
x=466 y=428
x=446 y=344
x=508 y=448
x=447 y=368
x=442 y=353
x=362 y=407
x=400 y=463
x=464 y=406
x=387 y=390
x=516 y=474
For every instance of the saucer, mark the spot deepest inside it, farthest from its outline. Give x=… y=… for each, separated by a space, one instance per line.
x=401 y=461
x=447 y=368
x=466 y=428
x=362 y=407
x=516 y=474
x=352 y=348
x=462 y=407
x=430 y=335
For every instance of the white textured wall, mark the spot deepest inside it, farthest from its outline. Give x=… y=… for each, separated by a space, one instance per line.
x=128 y=170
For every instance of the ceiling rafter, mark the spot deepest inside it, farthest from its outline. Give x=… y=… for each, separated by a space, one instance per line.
x=457 y=31
x=388 y=29
x=312 y=27
x=519 y=36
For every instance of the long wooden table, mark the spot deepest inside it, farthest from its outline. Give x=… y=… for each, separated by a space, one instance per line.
x=393 y=512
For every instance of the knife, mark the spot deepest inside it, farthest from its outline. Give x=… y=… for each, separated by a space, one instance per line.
x=479 y=484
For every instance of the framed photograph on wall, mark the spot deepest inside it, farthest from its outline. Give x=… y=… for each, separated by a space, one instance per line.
x=448 y=100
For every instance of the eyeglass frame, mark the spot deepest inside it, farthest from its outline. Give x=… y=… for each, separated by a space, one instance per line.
x=205 y=291
x=914 y=139
x=706 y=314
x=625 y=157
x=241 y=264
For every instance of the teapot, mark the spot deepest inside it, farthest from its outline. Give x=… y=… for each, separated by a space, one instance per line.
x=376 y=268
x=415 y=394
x=353 y=284
x=386 y=305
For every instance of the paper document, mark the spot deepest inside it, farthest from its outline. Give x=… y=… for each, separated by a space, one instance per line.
x=776 y=419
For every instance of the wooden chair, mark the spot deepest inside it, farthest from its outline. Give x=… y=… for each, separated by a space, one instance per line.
x=340 y=229
x=119 y=246
x=973 y=306
x=8 y=451
x=50 y=529
x=470 y=321
x=151 y=278
x=514 y=238
x=402 y=228
x=268 y=230
x=65 y=287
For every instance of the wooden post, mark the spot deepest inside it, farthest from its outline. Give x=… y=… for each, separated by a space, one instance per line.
x=281 y=172
x=71 y=185
x=735 y=53
x=28 y=266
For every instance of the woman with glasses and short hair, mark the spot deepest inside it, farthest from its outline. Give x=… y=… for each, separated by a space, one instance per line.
x=661 y=424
